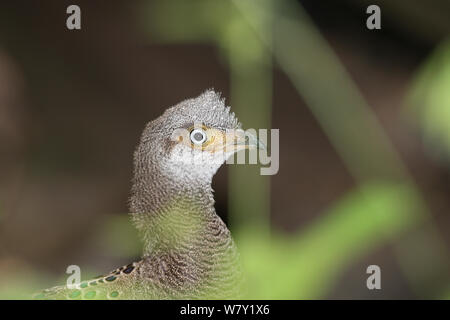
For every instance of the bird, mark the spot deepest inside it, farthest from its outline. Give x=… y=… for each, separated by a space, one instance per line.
x=188 y=251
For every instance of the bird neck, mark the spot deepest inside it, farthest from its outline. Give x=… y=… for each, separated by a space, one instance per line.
x=174 y=213
x=186 y=244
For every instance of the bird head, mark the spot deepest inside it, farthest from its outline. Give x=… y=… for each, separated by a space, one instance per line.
x=195 y=137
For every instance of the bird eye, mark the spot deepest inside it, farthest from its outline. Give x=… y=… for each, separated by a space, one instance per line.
x=198 y=136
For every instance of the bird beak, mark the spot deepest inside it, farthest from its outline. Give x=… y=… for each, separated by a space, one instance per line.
x=240 y=140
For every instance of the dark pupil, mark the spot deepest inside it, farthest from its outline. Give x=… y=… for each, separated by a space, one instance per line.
x=198 y=136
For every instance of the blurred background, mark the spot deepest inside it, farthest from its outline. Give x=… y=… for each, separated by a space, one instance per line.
x=363 y=115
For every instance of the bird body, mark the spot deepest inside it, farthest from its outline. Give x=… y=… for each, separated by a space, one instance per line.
x=188 y=250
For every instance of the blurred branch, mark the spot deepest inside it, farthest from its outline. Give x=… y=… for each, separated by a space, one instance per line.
x=251 y=97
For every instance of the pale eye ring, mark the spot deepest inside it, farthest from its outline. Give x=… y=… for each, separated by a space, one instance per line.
x=198 y=136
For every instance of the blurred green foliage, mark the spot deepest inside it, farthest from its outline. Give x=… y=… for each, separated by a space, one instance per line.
x=307 y=265
x=119 y=238
x=429 y=102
